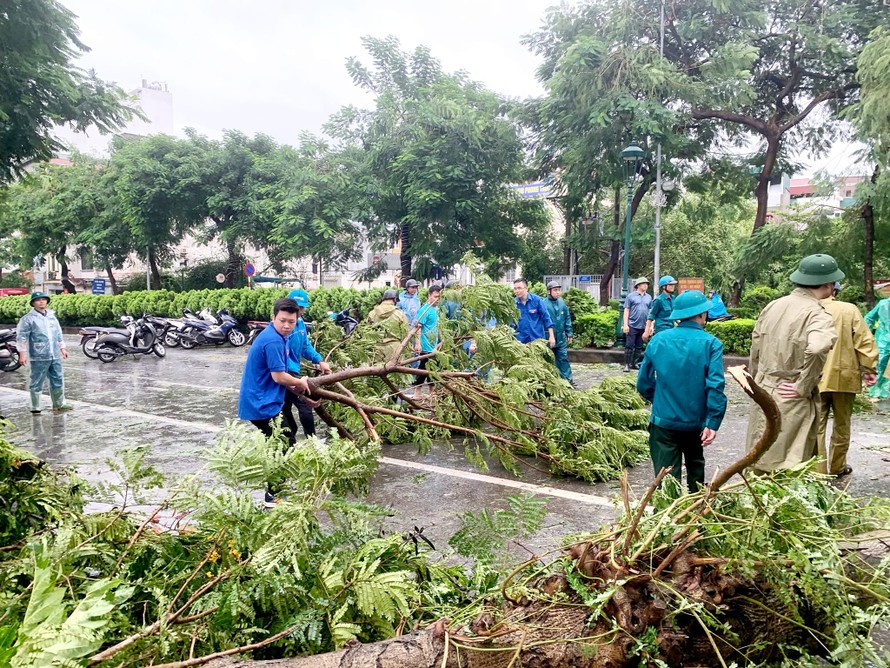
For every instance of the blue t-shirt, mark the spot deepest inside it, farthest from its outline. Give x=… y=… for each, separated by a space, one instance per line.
x=638 y=306
x=261 y=397
x=300 y=347
x=534 y=319
x=428 y=319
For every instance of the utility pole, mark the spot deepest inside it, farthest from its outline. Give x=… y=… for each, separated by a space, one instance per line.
x=659 y=199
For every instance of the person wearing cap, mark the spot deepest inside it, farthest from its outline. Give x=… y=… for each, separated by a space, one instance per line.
x=659 y=318
x=299 y=347
x=41 y=344
x=562 y=328
x=853 y=359
x=636 y=312
x=682 y=375
x=393 y=323
x=878 y=321
x=409 y=300
x=789 y=344
x=534 y=318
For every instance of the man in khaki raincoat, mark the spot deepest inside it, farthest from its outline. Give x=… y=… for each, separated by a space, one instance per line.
x=790 y=342
x=395 y=325
x=853 y=358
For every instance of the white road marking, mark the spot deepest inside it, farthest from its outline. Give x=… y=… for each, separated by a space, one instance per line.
x=420 y=466
x=504 y=482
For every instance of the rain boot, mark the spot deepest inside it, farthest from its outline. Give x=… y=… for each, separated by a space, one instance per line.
x=628 y=353
x=35 y=403
x=638 y=359
x=58 y=395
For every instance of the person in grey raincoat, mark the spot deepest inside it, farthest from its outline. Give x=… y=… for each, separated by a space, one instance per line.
x=41 y=345
x=562 y=328
x=790 y=342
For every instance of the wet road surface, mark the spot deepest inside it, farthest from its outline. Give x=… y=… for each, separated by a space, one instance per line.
x=178 y=404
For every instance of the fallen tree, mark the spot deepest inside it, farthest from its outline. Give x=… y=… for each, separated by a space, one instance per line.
x=746 y=574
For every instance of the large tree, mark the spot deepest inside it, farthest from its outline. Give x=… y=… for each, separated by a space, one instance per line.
x=440 y=153
x=160 y=187
x=40 y=88
x=871 y=116
x=742 y=76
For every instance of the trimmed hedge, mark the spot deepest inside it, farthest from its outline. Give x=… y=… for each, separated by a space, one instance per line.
x=243 y=304
x=595 y=329
x=735 y=335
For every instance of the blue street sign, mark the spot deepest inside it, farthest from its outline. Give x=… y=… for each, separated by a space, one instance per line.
x=249 y=269
x=98 y=286
x=584 y=278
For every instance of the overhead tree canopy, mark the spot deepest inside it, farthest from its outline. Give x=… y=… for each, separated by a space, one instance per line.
x=40 y=87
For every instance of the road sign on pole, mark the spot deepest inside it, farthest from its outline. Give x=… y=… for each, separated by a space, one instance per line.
x=249 y=269
x=98 y=286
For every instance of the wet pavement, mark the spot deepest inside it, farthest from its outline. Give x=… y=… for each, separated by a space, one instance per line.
x=178 y=404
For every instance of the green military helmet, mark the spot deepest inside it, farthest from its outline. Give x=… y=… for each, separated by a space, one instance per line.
x=641 y=279
x=815 y=270
x=690 y=304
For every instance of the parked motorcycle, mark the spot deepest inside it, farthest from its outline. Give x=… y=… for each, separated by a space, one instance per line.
x=88 y=335
x=254 y=328
x=140 y=338
x=9 y=352
x=345 y=320
x=175 y=327
x=201 y=332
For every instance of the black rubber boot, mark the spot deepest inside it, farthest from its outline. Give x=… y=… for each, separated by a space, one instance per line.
x=628 y=356
x=638 y=359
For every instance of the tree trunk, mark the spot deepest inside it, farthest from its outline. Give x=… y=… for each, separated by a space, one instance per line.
x=418 y=649
x=405 y=253
x=614 y=250
x=567 y=249
x=761 y=192
x=111 y=278
x=868 y=215
x=155 y=272
x=233 y=263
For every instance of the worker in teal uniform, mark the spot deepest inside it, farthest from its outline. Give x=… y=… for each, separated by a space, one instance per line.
x=562 y=328
x=682 y=375
x=659 y=318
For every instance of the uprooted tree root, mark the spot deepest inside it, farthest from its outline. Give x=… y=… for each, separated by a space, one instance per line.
x=646 y=590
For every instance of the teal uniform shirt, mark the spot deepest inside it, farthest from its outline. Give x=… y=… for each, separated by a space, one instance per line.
x=660 y=312
x=682 y=375
x=562 y=320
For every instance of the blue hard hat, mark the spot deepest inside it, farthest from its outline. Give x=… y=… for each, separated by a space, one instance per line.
x=667 y=280
x=690 y=304
x=299 y=296
x=39 y=295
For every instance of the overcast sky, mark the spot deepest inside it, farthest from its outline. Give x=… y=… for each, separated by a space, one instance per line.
x=277 y=66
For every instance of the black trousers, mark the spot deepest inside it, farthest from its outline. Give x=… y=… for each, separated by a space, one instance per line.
x=304 y=412
x=634 y=339
x=670 y=447
x=288 y=427
x=420 y=380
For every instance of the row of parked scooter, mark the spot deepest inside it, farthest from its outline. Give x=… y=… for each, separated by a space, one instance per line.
x=151 y=335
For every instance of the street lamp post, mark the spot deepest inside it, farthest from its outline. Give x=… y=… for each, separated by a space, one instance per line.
x=631 y=158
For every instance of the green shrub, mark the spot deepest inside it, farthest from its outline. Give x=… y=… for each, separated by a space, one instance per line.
x=757 y=297
x=735 y=335
x=14 y=279
x=595 y=329
x=580 y=302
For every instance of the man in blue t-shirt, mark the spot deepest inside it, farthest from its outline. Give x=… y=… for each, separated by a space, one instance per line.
x=534 y=319
x=300 y=348
x=265 y=378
